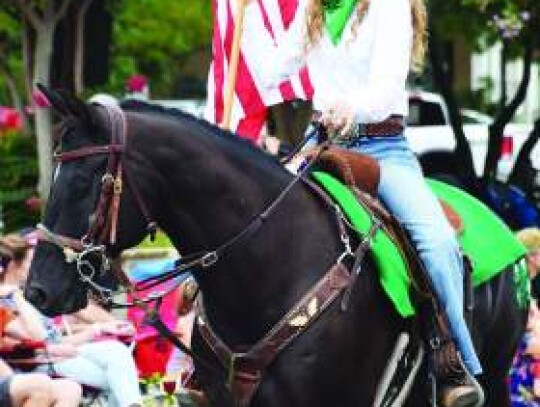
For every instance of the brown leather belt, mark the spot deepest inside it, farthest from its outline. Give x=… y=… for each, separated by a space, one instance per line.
x=392 y=126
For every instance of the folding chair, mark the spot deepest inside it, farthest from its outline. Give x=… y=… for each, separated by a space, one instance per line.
x=152 y=352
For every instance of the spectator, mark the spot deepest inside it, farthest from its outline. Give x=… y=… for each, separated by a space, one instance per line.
x=36 y=390
x=30 y=389
x=525 y=371
x=530 y=237
x=106 y=364
x=180 y=364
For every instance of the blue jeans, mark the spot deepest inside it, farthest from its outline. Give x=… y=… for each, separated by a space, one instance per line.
x=405 y=193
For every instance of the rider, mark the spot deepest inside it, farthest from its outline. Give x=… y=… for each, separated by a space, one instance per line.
x=359 y=54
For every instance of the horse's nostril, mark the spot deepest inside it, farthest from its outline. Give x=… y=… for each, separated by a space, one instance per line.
x=36 y=295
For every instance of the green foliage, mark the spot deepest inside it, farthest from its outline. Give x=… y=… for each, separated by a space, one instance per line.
x=17 y=179
x=480 y=99
x=151 y=36
x=10 y=53
x=483 y=22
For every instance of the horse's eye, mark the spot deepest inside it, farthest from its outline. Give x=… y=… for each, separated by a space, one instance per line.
x=81 y=185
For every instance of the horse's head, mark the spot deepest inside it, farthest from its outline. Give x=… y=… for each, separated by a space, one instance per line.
x=76 y=238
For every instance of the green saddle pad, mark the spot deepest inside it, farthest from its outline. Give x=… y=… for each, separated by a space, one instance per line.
x=488 y=242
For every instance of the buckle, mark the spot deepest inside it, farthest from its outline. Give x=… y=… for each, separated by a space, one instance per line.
x=209 y=259
x=359 y=130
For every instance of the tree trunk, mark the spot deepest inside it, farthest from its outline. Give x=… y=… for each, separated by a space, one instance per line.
x=27 y=39
x=42 y=71
x=523 y=174
x=465 y=169
x=78 y=63
x=496 y=129
x=504 y=58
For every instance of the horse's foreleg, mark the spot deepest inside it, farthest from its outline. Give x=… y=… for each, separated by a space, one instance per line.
x=497 y=391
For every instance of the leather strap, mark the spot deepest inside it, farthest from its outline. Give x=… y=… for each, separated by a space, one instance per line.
x=392 y=126
x=245 y=369
x=90 y=150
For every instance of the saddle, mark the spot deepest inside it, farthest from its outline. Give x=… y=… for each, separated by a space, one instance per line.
x=361 y=174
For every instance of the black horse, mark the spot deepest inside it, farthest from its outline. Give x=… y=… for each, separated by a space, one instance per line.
x=203 y=186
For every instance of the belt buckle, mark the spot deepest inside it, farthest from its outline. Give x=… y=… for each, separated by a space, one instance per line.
x=356 y=132
x=360 y=130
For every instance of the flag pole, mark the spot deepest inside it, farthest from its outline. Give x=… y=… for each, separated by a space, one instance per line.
x=233 y=63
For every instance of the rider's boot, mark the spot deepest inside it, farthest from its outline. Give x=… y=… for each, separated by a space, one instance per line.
x=457 y=387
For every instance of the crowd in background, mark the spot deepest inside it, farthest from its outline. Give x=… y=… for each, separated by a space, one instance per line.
x=525 y=372
x=90 y=350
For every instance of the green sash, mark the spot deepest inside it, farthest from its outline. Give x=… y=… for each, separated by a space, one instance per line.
x=336 y=15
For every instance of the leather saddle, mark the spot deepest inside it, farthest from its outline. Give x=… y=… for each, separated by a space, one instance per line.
x=361 y=174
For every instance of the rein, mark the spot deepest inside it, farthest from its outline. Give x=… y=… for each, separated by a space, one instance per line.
x=102 y=231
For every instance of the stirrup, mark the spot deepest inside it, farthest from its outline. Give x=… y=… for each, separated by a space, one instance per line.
x=469 y=393
x=457 y=387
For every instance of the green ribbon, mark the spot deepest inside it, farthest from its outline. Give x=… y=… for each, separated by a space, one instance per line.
x=336 y=15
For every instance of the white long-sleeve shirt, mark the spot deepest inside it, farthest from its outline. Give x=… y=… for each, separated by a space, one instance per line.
x=367 y=71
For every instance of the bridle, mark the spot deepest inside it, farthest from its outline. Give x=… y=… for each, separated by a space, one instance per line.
x=102 y=230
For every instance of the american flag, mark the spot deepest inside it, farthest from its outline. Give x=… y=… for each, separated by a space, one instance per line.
x=251 y=99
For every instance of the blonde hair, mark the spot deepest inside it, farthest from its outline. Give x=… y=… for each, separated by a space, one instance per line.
x=530 y=238
x=315 y=24
x=13 y=247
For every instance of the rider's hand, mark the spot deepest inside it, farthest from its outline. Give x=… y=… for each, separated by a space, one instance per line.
x=339 y=118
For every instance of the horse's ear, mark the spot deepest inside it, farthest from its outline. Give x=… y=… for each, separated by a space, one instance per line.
x=76 y=107
x=44 y=97
x=63 y=103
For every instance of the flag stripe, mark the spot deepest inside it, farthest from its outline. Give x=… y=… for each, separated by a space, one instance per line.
x=245 y=89
x=218 y=68
x=250 y=99
x=288 y=10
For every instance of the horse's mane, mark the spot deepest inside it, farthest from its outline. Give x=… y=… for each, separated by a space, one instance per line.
x=135 y=105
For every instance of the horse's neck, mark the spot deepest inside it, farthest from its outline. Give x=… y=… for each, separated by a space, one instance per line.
x=212 y=195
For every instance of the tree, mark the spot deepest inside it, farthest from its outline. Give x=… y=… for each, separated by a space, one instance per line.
x=524 y=174
x=155 y=45
x=11 y=61
x=516 y=23
x=39 y=20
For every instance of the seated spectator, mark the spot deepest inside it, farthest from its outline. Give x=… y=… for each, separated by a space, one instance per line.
x=107 y=364
x=530 y=237
x=94 y=314
x=179 y=363
x=525 y=372
x=36 y=390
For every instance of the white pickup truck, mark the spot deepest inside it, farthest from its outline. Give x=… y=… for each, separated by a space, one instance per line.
x=431 y=137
